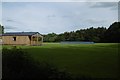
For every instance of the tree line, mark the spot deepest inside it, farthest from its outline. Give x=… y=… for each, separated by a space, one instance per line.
x=100 y=34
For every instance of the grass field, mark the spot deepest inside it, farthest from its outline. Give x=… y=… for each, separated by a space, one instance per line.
x=98 y=60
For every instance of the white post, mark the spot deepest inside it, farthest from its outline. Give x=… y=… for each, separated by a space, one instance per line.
x=37 y=39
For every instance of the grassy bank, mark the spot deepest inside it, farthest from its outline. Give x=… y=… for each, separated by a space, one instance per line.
x=95 y=60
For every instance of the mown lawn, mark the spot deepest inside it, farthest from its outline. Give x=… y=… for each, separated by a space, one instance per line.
x=98 y=60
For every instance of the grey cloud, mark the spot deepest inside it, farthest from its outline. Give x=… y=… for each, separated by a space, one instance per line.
x=60 y=16
x=49 y=16
x=9 y=20
x=95 y=21
x=10 y=27
x=15 y=22
x=119 y=11
x=112 y=5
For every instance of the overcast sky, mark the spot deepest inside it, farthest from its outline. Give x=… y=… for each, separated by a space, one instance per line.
x=58 y=17
x=60 y=0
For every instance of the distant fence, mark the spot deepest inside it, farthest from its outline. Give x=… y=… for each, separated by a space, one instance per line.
x=76 y=42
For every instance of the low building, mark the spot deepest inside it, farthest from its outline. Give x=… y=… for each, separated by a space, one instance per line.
x=22 y=38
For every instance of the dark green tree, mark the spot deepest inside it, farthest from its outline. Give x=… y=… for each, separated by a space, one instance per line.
x=1 y=29
x=51 y=37
x=113 y=33
x=99 y=34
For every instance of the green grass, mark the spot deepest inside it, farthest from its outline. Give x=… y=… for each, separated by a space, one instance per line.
x=95 y=60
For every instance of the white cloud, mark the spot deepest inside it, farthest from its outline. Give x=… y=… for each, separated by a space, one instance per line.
x=54 y=17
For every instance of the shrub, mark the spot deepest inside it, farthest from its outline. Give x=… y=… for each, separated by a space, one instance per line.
x=17 y=65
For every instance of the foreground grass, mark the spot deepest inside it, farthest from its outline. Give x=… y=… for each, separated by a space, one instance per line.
x=94 y=60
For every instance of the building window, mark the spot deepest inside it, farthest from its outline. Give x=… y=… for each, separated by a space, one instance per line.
x=34 y=38
x=14 y=38
x=39 y=38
